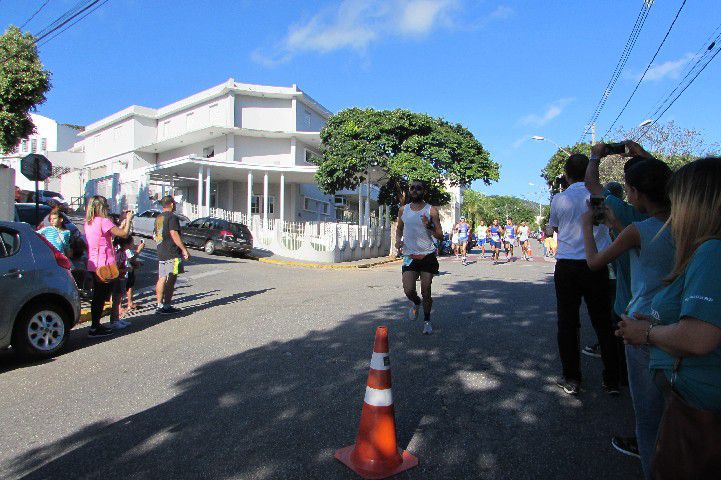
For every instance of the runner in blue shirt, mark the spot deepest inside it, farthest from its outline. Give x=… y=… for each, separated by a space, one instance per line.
x=509 y=237
x=494 y=233
x=463 y=230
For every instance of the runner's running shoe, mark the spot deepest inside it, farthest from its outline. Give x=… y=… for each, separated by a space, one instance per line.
x=413 y=312
x=626 y=445
x=427 y=328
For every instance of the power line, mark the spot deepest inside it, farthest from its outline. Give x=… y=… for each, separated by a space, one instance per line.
x=647 y=68
x=33 y=15
x=625 y=54
x=103 y=2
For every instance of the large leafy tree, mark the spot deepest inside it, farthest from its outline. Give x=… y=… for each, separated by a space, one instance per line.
x=477 y=206
x=667 y=141
x=23 y=84
x=401 y=146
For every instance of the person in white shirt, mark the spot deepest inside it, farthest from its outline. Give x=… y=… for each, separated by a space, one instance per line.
x=523 y=232
x=575 y=282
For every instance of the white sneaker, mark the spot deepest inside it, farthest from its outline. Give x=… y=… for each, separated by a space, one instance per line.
x=117 y=325
x=125 y=323
x=413 y=312
x=427 y=328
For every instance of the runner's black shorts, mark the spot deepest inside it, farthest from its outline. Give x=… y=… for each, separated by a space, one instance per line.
x=428 y=264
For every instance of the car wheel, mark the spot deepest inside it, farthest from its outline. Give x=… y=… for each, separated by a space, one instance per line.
x=210 y=247
x=41 y=330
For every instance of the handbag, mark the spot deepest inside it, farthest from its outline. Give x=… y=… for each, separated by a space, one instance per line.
x=106 y=273
x=688 y=446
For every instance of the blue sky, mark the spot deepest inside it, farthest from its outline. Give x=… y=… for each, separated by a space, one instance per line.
x=506 y=70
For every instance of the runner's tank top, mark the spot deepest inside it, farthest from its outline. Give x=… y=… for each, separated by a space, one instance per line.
x=463 y=230
x=510 y=231
x=417 y=239
x=496 y=234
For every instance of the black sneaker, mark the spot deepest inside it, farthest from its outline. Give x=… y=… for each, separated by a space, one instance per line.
x=100 y=331
x=571 y=387
x=592 y=351
x=611 y=390
x=168 y=310
x=626 y=445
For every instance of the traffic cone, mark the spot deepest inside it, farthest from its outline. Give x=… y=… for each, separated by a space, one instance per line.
x=376 y=454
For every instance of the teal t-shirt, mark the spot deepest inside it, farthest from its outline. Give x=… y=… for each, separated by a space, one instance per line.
x=650 y=264
x=696 y=293
x=626 y=214
x=59 y=238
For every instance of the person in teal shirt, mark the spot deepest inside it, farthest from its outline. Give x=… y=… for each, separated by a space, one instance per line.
x=56 y=233
x=685 y=318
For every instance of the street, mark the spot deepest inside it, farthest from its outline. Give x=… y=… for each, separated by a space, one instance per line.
x=262 y=376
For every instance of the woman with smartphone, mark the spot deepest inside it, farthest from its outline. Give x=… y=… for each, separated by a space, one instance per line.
x=683 y=328
x=651 y=251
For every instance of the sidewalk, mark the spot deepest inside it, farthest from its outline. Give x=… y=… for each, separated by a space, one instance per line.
x=268 y=257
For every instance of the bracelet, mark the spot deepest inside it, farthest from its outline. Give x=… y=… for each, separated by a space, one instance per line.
x=595 y=159
x=648 y=333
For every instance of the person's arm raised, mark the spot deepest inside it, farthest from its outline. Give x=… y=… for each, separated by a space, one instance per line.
x=124 y=230
x=626 y=240
x=593 y=177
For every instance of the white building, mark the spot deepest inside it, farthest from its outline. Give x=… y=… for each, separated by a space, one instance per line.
x=51 y=139
x=234 y=150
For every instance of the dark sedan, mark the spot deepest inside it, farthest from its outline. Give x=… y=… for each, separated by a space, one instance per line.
x=217 y=235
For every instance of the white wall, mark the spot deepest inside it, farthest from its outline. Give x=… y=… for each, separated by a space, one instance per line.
x=108 y=142
x=263 y=151
x=66 y=138
x=7 y=194
x=144 y=131
x=259 y=113
x=215 y=112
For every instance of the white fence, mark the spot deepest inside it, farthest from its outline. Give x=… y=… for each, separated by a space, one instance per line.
x=327 y=242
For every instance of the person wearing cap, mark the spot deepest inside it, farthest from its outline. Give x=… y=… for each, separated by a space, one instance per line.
x=463 y=230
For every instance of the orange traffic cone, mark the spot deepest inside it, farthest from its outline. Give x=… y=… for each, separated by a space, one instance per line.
x=376 y=454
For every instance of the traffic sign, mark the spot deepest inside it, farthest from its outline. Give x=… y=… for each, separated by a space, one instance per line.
x=36 y=167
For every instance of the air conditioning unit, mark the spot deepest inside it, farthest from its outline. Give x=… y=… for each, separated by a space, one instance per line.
x=340 y=201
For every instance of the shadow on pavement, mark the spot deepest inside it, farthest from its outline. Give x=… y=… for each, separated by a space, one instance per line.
x=474 y=400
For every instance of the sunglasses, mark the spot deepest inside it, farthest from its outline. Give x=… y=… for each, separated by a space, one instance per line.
x=417 y=188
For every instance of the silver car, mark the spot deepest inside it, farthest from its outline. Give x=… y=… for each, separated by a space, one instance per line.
x=144 y=223
x=40 y=301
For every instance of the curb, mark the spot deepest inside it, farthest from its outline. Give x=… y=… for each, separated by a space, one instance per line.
x=324 y=266
x=86 y=317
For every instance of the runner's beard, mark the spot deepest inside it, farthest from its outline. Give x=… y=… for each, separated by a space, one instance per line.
x=416 y=196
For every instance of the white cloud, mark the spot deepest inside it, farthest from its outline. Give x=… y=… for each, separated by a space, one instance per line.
x=670 y=69
x=356 y=24
x=552 y=111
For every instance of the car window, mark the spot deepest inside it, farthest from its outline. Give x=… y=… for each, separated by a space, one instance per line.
x=207 y=224
x=26 y=213
x=9 y=243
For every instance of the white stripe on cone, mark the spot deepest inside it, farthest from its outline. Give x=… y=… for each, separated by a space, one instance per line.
x=380 y=361
x=378 y=398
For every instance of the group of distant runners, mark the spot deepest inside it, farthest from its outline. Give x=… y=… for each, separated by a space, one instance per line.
x=494 y=237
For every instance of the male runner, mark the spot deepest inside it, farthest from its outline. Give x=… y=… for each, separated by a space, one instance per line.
x=418 y=223
x=495 y=232
x=509 y=237
x=463 y=231
x=481 y=234
x=523 y=231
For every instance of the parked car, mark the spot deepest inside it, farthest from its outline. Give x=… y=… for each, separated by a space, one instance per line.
x=217 y=235
x=48 y=197
x=40 y=300
x=144 y=223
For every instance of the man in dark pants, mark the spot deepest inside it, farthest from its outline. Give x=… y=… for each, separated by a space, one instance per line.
x=575 y=282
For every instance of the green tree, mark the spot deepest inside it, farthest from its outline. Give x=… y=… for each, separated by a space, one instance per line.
x=23 y=84
x=400 y=146
x=477 y=206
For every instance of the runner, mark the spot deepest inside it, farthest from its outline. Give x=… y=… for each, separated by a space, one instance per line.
x=523 y=240
x=418 y=223
x=495 y=235
x=509 y=237
x=463 y=230
x=454 y=240
x=481 y=235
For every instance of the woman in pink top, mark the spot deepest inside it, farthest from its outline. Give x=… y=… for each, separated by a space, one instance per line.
x=99 y=232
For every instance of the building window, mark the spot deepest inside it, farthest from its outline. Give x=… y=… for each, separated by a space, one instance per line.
x=325 y=207
x=24 y=145
x=256 y=204
x=209 y=152
x=33 y=145
x=307 y=204
x=311 y=157
x=306 y=117
x=43 y=144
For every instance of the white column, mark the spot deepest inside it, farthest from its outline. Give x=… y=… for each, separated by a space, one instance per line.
x=231 y=196
x=207 y=191
x=200 y=190
x=250 y=198
x=380 y=215
x=368 y=201
x=360 y=204
x=282 y=197
x=265 y=200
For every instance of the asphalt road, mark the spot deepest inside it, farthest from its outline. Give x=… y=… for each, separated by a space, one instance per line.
x=262 y=375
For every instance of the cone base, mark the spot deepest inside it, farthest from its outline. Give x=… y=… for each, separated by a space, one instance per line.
x=343 y=456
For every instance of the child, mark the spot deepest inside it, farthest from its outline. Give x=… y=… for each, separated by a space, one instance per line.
x=56 y=233
x=131 y=252
x=117 y=312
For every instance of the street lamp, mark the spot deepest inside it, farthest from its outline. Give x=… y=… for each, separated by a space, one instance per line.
x=648 y=121
x=642 y=125
x=542 y=139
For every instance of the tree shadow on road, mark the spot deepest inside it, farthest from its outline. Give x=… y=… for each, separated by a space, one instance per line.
x=474 y=400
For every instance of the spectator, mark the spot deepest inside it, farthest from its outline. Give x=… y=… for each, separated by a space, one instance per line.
x=132 y=252
x=575 y=282
x=56 y=233
x=651 y=259
x=171 y=253
x=684 y=328
x=99 y=232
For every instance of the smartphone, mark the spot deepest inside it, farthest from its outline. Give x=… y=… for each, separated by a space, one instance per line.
x=599 y=209
x=615 y=148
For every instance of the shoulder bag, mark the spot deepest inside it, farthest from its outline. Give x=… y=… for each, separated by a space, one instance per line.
x=688 y=446
x=106 y=273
